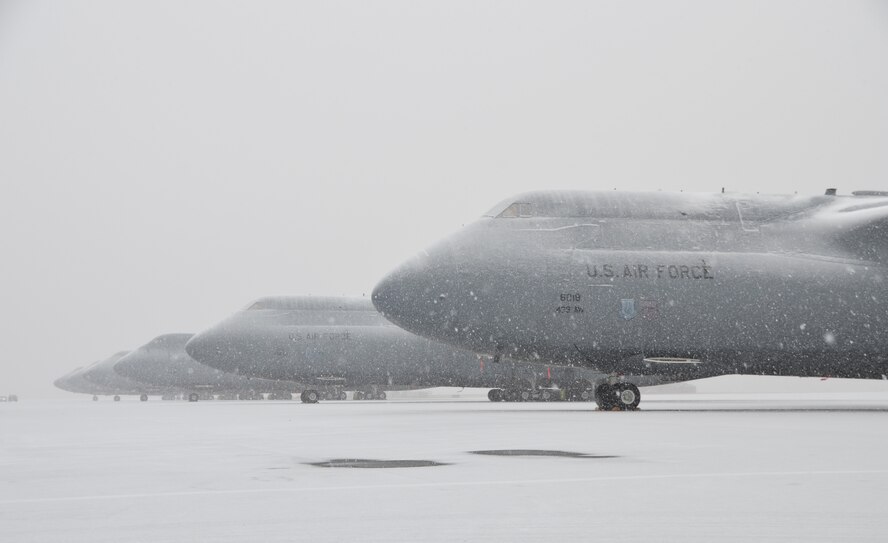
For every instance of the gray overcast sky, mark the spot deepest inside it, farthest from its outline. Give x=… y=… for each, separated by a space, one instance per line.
x=165 y=162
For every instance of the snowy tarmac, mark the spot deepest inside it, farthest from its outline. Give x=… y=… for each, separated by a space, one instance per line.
x=711 y=467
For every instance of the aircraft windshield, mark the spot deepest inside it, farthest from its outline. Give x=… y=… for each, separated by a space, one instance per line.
x=511 y=210
x=652 y=205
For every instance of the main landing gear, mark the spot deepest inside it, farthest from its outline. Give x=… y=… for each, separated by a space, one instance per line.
x=524 y=395
x=369 y=395
x=617 y=396
x=523 y=390
x=610 y=395
x=331 y=394
x=335 y=394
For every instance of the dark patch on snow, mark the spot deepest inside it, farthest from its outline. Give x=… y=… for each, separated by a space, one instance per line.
x=365 y=463
x=540 y=452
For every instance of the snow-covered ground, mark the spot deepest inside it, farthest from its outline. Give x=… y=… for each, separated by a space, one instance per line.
x=708 y=467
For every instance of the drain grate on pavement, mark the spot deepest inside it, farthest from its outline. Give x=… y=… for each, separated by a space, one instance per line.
x=540 y=452
x=363 y=463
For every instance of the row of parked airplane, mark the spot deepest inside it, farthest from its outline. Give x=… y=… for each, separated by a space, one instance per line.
x=576 y=295
x=319 y=347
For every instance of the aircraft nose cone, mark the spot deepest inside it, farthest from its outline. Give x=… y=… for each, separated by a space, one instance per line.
x=419 y=295
x=211 y=348
x=390 y=296
x=131 y=366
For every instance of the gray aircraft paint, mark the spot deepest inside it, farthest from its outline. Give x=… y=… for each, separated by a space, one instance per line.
x=104 y=376
x=74 y=382
x=163 y=362
x=345 y=340
x=783 y=285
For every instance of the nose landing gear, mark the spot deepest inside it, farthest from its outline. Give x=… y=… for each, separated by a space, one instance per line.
x=617 y=396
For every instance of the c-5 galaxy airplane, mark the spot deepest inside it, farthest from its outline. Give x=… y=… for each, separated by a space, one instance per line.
x=677 y=284
x=163 y=362
x=74 y=382
x=100 y=378
x=344 y=342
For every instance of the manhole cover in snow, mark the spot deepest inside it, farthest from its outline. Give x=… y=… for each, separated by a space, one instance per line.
x=365 y=463
x=539 y=452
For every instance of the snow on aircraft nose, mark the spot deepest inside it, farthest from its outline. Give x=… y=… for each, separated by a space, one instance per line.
x=214 y=348
x=419 y=295
x=135 y=365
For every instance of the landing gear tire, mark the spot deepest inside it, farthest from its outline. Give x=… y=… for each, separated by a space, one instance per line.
x=621 y=396
x=545 y=395
x=380 y=395
x=525 y=395
x=193 y=397
x=116 y=398
x=606 y=397
x=343 y=396
x=496 y=395
x=628 y=396
x=143 y=398
x=358 y=395
x=95 y=398
x=310 y=396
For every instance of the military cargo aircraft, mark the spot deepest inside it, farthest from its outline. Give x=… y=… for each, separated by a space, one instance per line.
x=163 y=362
x=99 y=379
x=336 y=343
x=679 y=284
x=74 y=382
x=103 y=375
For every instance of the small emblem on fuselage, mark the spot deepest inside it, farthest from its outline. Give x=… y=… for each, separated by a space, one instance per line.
x=627 y=308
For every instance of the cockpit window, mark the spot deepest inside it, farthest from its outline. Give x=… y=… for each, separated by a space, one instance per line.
x=517 y=210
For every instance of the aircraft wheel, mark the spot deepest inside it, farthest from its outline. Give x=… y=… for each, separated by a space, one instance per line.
x=525 y=396
x=116 y=398
x=628 y=396
x=495 y=395
x=358 y=395
x=512 y=395
x=95 y=398
x=310 y=396
x=143 y=398
x=546 y=395
x=343 y=396
x=606 y=397
x=381 y=395
x=587 y=395
x=193 y=397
